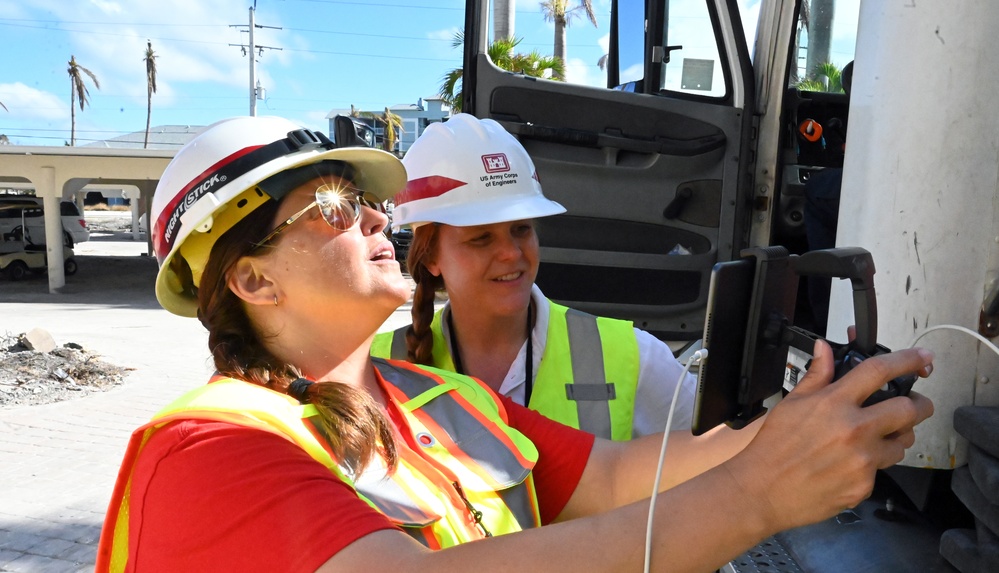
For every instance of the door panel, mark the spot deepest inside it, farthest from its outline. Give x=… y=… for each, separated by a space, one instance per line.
x=655 y=184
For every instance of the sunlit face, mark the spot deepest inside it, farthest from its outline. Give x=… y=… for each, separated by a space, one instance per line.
x=333 y=275
x=488 y=267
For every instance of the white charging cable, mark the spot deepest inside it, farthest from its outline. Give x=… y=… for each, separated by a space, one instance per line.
x=968 y=331
x=695 y=358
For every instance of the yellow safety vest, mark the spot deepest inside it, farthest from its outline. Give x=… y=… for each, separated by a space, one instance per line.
x=588 y=374
x=470 y=479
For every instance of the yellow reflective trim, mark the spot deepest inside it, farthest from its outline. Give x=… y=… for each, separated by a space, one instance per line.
x=119 y=545
x=422 y=399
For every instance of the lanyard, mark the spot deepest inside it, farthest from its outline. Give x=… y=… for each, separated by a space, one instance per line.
x=528 y=365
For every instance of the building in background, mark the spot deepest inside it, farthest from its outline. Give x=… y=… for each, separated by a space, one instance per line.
x=415 y=119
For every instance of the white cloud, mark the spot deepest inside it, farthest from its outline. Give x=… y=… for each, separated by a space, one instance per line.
x=107 y=7
x=24 y=102
x=186 y=51
x=578 y=71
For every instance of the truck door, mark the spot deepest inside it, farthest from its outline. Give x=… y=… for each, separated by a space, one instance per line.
x=652 y=163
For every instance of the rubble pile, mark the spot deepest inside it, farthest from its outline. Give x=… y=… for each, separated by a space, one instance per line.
x=35 y=371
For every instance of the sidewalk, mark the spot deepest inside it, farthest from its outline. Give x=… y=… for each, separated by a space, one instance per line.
x=58 y=462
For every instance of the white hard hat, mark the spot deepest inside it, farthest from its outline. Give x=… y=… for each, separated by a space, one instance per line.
x=212 y=183
x=469 y=171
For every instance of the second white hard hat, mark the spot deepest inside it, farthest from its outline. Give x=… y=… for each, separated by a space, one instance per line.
x=469 y=171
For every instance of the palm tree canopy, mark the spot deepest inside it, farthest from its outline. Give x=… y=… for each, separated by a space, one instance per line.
x=826 y=78
x=150 y=60
x=391 y=121
x=501 y=52
x=559 y=11
x=77 y=80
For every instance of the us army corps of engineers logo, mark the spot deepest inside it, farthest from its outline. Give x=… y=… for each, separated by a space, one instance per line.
x=497 y=171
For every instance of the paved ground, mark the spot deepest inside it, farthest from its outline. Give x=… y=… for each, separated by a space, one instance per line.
x=58 y=462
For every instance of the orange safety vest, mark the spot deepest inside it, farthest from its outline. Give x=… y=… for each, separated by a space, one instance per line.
x=470 y=479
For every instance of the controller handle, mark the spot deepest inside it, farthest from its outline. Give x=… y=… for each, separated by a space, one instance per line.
x=856 y=264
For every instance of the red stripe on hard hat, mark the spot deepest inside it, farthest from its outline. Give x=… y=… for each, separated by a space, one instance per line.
x=426 y=187
x=160 y=244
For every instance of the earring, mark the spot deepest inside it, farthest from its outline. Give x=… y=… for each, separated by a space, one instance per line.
x=275 y=300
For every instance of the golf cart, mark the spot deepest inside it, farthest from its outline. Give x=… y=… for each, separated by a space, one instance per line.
x=19 y=255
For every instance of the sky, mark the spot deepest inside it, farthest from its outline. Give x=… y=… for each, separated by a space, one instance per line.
x=315 y=56
x=318 y=56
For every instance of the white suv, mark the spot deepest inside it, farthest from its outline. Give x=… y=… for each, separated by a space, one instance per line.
x=74 y=226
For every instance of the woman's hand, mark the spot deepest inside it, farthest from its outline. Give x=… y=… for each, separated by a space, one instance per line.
x=818 y=451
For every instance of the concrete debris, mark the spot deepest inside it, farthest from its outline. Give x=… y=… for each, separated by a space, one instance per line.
x=38 y=339
x=29 y=377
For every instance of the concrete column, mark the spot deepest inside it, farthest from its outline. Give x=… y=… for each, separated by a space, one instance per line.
x=51 y=196
x=133 y=195
x=146 y=191
x=921 y=192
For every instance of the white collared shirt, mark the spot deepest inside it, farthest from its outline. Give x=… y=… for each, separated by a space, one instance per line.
x=658 y=373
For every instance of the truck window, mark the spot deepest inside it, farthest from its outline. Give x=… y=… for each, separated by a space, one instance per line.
x=690 y=62
x=825 y=43
x=684 y=57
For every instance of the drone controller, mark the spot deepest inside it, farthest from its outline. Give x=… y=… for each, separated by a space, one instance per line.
x=857 y=265
x=750 y=301
x=899 y=386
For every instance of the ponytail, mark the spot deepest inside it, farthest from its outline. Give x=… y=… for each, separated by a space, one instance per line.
x=351 y=420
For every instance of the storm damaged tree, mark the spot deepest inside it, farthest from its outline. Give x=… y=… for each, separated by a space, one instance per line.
x=150 y=59
x=78 y=90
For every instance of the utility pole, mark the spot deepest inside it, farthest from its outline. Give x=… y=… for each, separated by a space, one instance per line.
x=253 y=50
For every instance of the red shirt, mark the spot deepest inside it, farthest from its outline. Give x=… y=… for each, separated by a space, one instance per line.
x=210 y=496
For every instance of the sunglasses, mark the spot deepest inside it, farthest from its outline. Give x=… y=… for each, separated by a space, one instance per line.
x=340 y=207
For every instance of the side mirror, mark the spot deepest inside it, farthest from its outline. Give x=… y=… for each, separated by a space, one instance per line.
x=348 y=132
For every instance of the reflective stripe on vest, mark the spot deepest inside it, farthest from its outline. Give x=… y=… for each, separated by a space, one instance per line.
x=494 y=466
x=419 y=495
x=393 y=345
x=588 y=374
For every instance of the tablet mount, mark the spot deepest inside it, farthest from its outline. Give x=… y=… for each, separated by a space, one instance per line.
x=770 y=334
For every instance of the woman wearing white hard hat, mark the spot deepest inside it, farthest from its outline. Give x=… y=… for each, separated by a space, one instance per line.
x=471 y=197
x=304 y=453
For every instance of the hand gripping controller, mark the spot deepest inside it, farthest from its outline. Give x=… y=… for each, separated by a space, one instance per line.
x=857 y=265
x=899 y=386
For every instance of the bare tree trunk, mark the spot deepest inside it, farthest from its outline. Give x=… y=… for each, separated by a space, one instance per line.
x=149 y=114
x=503 y=19
x=560 y=46
x=819 y=35
x=72 y=116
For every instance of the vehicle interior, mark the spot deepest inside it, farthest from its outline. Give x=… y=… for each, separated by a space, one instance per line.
x=658 y=183
x=658 y=168
x=648 y=165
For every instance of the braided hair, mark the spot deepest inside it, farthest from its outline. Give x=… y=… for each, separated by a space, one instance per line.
x=351 y=420
x=419 y=338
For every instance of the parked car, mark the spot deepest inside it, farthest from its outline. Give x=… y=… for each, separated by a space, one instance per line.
x=12 y=225
x=401 y=240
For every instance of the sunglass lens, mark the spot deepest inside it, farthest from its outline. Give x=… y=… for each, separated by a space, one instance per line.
x=339 y=208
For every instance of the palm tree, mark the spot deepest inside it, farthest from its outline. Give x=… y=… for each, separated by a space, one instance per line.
x=558 y=11
x=392 y=122
x=501 y=53
x=503 y=18
x=820 y=20
x=150 y=60
x=827 y=78
x=78 y=89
